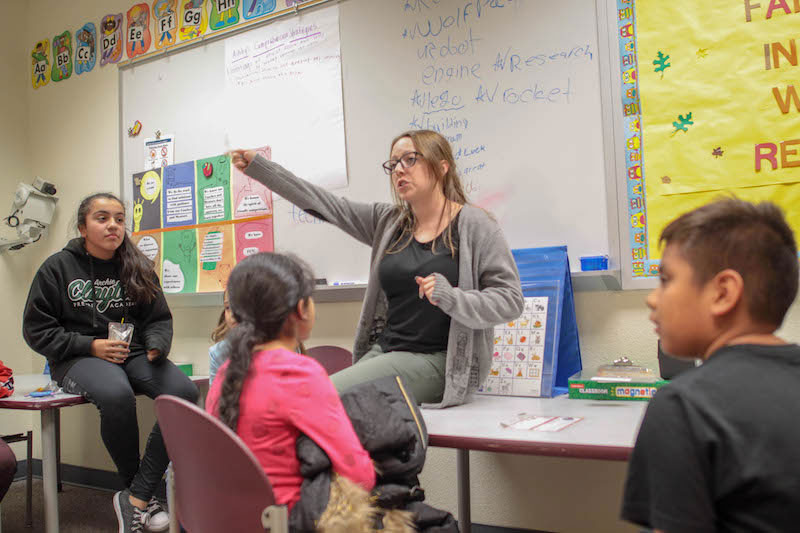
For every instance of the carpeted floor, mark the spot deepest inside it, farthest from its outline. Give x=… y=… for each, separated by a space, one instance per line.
x=82 y=510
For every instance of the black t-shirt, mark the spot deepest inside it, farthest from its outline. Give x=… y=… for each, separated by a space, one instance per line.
x=414 y=324
x=719 y=447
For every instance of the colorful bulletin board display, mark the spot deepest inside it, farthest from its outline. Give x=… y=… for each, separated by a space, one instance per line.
x=195 y=220
x=535 y=354
x=710 y=103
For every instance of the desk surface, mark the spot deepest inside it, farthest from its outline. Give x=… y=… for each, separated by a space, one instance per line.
x=608 y=429
x=25 y=383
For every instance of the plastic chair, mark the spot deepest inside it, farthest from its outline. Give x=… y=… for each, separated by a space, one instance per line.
x=332 y=358
x=219 y=485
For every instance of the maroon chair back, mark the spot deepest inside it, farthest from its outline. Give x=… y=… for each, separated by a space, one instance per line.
x=332 y=358
x=219 y=484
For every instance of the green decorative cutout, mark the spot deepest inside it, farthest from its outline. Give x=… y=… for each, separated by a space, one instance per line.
x=661 y=63
x=682 y=123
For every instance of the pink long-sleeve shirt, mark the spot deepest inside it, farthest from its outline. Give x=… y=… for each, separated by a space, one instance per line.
x=286 y=394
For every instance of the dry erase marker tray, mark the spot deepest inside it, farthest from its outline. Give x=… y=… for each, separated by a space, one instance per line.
x=589 y=386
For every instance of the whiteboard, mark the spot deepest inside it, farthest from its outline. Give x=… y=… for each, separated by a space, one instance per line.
x=514 y=84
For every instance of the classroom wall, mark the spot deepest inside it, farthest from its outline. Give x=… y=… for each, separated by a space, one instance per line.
x=14 y=157
x=68 y=133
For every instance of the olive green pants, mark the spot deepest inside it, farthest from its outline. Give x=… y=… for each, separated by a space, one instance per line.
x=422 y=373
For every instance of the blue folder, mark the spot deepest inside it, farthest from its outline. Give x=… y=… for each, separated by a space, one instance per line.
x=545 y=272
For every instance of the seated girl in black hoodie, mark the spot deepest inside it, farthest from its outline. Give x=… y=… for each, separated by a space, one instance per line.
x=98 y=278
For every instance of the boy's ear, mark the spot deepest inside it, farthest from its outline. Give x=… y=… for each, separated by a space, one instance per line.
x=728 y=290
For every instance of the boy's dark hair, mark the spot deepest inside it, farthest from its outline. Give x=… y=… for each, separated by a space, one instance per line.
x=136 y=270
x=263 y=290
x=752 y=239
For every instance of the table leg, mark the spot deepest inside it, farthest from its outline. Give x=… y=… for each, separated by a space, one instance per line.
x=57 y=413
x=462 y=467
x=174 y=527
x=49 y=470
x=29 y=484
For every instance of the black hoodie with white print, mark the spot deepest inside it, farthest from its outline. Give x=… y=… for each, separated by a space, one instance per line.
x=72 y=299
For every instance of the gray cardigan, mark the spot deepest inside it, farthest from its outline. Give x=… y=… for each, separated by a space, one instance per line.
x=488 y=291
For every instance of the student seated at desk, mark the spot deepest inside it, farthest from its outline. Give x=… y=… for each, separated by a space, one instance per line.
x=441 y=277
x=267 y=393
x=718 y=447
x=96 y=279
x=218 y=352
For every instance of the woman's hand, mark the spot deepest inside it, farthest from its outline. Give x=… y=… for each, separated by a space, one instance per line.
x=426 y=286
x=153 y=355
x=242 y=158
x=113 y=351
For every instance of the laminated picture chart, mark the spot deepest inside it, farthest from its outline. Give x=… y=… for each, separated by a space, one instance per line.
x=518 y=353
x=195 y=220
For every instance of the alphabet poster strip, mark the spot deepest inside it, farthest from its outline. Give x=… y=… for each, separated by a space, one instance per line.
x=85 y=48
x=224 y=13
x=194 y=20
x=111 y=41
x=253 y=9
x=165 y=20
x=138 y=37
x=40 y=62
x=62 y=57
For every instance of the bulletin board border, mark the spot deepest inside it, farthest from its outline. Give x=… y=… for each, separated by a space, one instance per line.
x=641 y=265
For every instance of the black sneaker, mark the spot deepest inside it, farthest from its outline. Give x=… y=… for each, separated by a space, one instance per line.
x=130 y=517
x=156 y=518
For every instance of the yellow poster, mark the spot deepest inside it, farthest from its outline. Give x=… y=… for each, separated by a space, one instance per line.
x=719 y=93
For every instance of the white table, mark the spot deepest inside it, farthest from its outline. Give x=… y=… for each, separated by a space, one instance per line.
x=608 y=432
x=48 y=408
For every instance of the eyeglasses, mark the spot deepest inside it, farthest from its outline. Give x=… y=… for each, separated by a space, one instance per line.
x=407 y=160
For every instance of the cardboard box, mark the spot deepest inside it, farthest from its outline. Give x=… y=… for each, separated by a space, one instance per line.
x=588 y=388
x=186 y=368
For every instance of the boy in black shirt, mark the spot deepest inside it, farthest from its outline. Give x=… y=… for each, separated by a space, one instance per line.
x=719 y=447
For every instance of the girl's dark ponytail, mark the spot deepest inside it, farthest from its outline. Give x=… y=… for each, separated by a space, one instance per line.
x=263 y=290
x=241 y=341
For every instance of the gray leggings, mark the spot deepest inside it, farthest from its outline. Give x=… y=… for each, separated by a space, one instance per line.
x=423 y=373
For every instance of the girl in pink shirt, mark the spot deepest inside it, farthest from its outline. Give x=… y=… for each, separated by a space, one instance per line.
x=269 y=394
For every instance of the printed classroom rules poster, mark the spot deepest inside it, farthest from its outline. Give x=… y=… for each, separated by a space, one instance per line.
x=195 y=220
